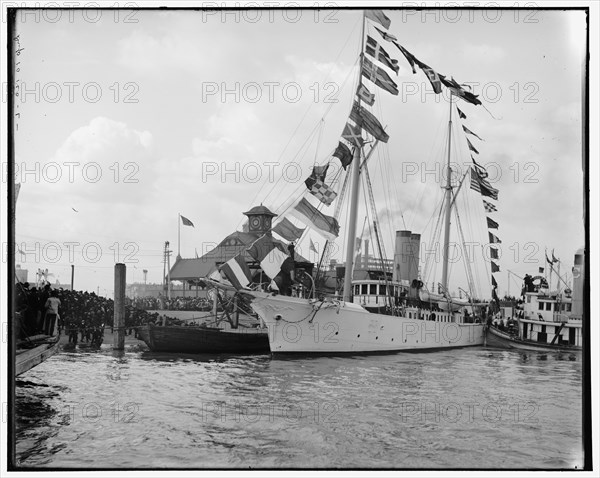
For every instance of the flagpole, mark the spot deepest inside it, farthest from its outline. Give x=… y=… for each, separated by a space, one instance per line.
x=179 y=235
x=351 y=231
x=448 y=188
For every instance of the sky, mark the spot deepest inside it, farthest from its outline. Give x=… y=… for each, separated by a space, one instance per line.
x=129 y=118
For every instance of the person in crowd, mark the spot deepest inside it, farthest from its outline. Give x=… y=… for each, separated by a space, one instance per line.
x=51 y=307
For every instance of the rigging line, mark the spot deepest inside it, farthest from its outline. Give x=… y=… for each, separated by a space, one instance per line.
x=311 y=104
x=469 y=275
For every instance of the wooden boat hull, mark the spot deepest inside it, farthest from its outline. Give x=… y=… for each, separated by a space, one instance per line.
x=498 y=339
x=199 y=340
x=26 y=359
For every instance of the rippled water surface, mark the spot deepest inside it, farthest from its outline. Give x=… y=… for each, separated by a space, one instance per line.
x=477 y=407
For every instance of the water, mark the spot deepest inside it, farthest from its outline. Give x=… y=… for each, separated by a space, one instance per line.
x=466 y=408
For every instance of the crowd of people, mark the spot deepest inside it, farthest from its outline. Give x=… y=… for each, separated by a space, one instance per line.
x=175 y=303
x=82 y=316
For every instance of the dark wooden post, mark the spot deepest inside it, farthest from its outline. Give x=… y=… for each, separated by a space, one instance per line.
x=119 y=313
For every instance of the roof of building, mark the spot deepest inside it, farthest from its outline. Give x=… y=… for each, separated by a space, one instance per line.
x=234 y=244
x=260 y=210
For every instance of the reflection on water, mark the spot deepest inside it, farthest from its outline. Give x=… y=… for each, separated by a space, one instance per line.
x=468 y=408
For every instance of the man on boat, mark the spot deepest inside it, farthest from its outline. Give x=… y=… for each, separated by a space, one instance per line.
x=286 y=276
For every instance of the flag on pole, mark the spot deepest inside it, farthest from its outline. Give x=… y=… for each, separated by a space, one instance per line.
x=489 y=207
x=352 y=134
x=458 y=90
x=365 y=95
x=386 y=36
x=471 y=147
x=318 y=174
x=468 y=131
x=495 y=267
x=494 y=283
x=186 y=221
x=409 y=57
x=375 y=50
x=379 y=17
x=237 y=272
x=491 y=223
x=461 y=115
x=327 y=226
x=287 y=230
x=368 y=122
x=433 y=77
x=493 y=253
x=268 y=254
x=323 y=192
x=379 y=77
x=494 y=239
x=343 y=153
x=482 y=186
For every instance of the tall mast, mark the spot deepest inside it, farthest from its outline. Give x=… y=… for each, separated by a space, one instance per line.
x=354 y=191
x=446 y=245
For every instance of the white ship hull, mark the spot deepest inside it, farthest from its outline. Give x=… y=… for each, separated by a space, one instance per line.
x=302 y=326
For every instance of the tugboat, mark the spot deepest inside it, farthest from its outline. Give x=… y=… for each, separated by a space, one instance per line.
x=549 y=320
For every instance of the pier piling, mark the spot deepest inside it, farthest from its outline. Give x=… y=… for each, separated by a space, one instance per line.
x=119 y=313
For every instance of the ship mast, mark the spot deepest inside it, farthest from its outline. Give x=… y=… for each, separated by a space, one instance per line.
x=354 y=192
x=448 y=188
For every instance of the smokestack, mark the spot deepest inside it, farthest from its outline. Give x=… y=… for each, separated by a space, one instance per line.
x=415 y=241
x=402 y=256
x=578 y=276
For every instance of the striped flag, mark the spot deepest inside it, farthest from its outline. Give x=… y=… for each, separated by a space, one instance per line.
x=368 y=122
x=288 y=231
x=494 y=239
x=327 y=226
x=237 y=272
x=268 y=254
x=481 y=185
x=489 y=207
x=379 y=77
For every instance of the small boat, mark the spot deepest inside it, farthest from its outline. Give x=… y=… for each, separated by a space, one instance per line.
x=549 y=320
x=199 y=339
x=501 y=339
x=34 y=350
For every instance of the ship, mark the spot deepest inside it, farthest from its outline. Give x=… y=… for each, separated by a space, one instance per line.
x=387 y=311
x=549 y=320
